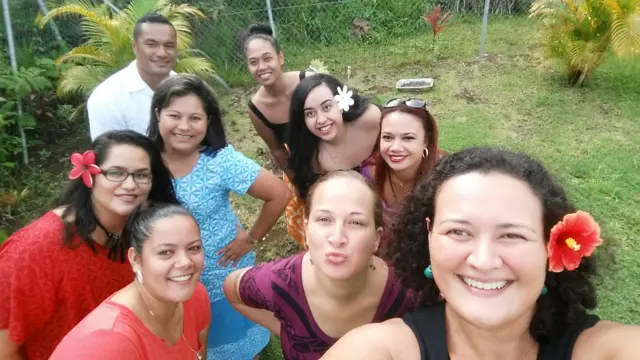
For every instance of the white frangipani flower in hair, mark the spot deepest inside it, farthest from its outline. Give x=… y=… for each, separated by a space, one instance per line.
x=344 y=98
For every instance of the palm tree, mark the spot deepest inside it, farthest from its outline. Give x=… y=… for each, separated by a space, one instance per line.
x=580 y=32
x=108 y=34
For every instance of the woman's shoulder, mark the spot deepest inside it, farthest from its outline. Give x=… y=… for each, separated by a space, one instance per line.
x=607 y=340
x=42 y=235
x=388 y=340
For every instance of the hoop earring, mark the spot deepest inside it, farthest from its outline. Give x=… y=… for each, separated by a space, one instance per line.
x=425 y=153
x=545 y=291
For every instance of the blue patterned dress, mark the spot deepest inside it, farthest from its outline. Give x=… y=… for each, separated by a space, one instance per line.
x=205 y=192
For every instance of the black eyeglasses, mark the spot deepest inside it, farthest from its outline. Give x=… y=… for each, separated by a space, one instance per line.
x=117 y=175
x=414 y=103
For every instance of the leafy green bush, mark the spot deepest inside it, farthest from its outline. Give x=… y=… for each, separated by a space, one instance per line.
x=16 y=87
x=580 y=32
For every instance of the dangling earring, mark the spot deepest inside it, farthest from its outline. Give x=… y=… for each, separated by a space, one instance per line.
x=425 y=153
x=139 y=276
x=428 y=273
x=544 y=291
x=311 y=261
x=372 y=267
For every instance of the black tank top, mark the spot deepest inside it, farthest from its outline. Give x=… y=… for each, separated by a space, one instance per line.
x=278 y=129
x=428 y=325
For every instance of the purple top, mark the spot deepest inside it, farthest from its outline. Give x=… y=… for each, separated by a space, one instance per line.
x=277 y=286
x=365 y=170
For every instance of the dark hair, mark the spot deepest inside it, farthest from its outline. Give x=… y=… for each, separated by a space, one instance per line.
x=77 y=196
x=182 y=85
x=570 y=293
x=262 y=32
x=150 y=18
x=302 y=144
x=383 y=172
x=347 y=174
x=140 y=222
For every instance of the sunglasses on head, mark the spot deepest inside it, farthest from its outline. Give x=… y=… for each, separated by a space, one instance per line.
x=413 y=103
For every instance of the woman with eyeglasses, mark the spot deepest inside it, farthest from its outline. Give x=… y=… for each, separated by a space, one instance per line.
x=331 y=128
x=407 y=151
x=57 y=269
x=186 y=125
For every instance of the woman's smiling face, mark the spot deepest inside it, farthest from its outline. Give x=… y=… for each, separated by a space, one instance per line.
x=487 y=246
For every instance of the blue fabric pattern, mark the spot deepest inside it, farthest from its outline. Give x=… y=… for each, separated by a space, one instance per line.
x=205 y=192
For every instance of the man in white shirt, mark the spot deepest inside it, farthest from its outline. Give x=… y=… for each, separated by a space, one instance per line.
x=123 y=101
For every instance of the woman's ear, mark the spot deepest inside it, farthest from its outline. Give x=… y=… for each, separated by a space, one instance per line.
x=157 y=114
x=134 y=259
x=379 y=233
x=281 y=57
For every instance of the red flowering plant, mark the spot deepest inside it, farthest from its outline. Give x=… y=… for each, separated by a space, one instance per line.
x=573 y=238
x=85 y=167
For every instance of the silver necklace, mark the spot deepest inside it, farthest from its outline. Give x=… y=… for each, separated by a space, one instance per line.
x=198 y=356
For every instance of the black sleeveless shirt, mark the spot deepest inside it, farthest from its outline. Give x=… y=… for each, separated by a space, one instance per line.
x=428 y=325
x=278 y=129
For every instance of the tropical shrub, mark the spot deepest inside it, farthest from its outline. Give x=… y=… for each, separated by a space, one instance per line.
x=580 y=32
x=17 y=87
x=108 y=35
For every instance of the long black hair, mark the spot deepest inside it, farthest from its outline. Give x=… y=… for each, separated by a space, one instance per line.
x=570 y=293
x=183 y=85
x=77 y=196
x=303 y=145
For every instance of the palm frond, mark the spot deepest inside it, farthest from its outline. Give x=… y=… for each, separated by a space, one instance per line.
x=87 y=55
x=82 y=79
x=625 y=27
x=138 y=8
x=73 y=7
x=194 y=65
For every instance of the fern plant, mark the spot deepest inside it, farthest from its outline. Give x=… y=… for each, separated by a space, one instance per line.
x=581 y=32
x=108 y=35
x=16 y=85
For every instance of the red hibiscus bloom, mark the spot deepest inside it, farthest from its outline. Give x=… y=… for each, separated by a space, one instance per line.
x=84 y=165
x=577 y=235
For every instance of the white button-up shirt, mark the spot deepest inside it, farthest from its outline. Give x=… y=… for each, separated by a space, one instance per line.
x=121 y=102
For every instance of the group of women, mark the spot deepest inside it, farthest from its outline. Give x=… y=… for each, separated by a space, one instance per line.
x=409 y=253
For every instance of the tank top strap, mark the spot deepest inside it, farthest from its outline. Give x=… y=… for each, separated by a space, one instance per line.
x=259 y=114
x=428 y=325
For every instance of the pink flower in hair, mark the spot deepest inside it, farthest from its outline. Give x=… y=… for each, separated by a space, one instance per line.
x=84 y=165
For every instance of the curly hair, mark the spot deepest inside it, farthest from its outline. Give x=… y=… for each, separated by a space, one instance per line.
x=570 y=293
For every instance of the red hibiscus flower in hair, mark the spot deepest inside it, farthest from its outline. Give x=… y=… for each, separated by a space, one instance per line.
x=84 y=165
x=576 y=236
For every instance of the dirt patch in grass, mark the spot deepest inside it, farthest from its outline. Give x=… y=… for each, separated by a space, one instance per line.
x=469 y=96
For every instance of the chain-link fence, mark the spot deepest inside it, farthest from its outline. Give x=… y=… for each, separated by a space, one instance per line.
x=364 y=34
x=358 y=33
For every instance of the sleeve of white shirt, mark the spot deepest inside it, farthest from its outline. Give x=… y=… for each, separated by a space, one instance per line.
x=103 y=115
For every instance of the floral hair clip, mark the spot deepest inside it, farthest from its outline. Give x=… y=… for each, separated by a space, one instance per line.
x=344 y=98
x=85 y=166
x=573 y=238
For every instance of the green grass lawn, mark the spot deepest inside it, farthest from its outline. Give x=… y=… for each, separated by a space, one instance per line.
x=589 y=137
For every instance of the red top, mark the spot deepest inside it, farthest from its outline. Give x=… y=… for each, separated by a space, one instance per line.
x=48 y=288
x=113 y=332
